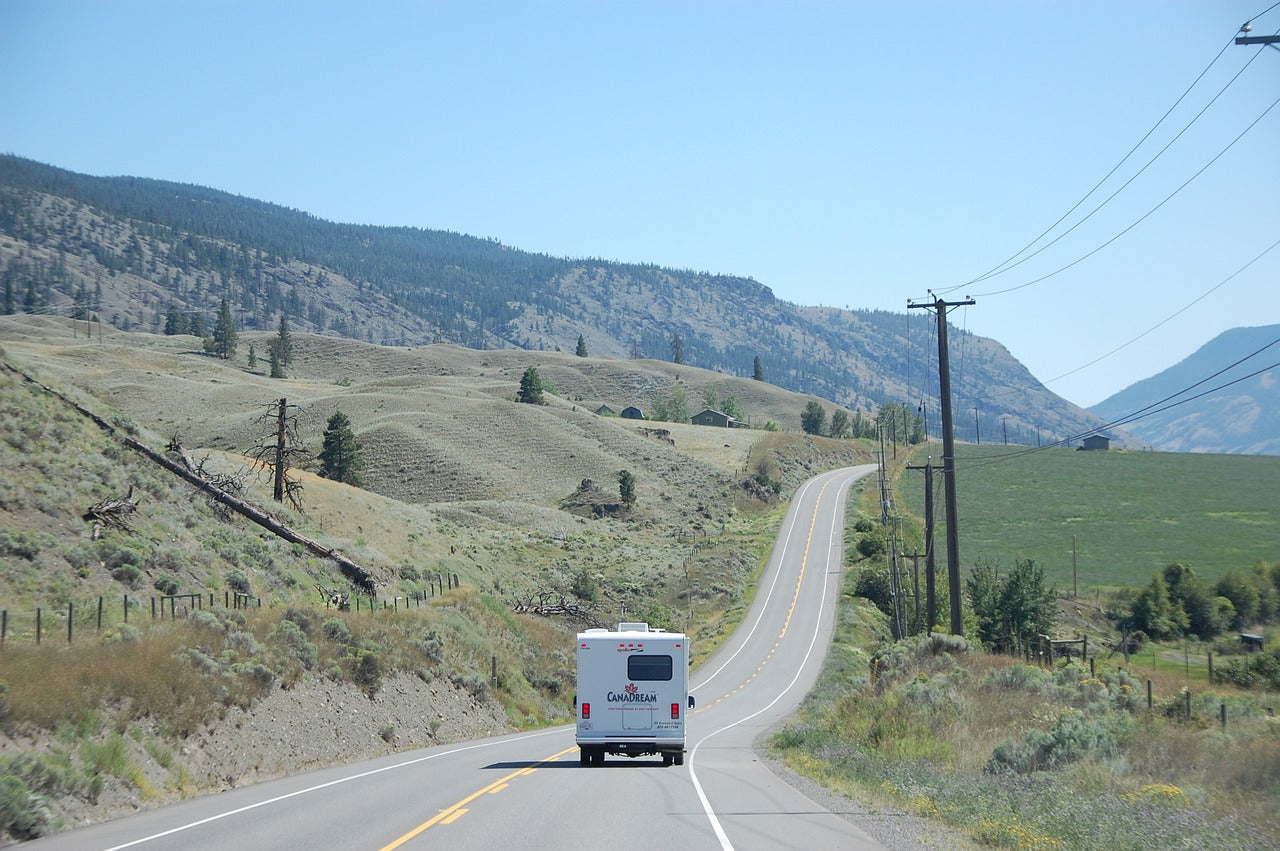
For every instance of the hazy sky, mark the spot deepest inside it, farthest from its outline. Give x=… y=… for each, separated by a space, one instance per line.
x=842 y=153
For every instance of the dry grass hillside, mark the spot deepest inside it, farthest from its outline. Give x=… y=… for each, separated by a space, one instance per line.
x=458 y=476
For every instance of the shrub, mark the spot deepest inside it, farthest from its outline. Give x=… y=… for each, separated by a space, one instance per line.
x=23 y=543
x=337 y=631
x=288 y=633
x=1073 y=737
x=128 y=576
x=366 y=671
x=24 y=814
x=238 y=582
x=167 y=585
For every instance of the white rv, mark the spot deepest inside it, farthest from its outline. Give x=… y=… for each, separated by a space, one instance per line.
x=633 y=693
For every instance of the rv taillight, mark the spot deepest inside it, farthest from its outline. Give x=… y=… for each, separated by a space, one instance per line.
x=586 y=710
x=675 y=711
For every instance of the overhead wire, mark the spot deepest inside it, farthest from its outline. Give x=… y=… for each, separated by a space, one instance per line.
x=1144 y=216
x=1148 y=410
x=1009 y=263
x=1006 y=264
x=1153 y=328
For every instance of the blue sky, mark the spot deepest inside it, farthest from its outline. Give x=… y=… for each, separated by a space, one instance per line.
x=842 y=153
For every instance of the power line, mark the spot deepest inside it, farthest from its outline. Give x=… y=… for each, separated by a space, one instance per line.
x=1145 y=215
x=1009 y=263
x=1148 y=410
x=1153 y=328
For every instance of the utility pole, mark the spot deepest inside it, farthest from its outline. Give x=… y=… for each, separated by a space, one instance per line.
x=949 y=460
x=930 y=592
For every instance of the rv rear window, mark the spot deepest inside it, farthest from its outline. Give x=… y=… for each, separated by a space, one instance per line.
x=641 y=667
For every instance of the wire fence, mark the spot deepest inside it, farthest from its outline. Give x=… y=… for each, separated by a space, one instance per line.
x=94 y=615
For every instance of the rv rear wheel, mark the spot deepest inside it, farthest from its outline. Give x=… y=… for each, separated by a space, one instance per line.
x=680 y=758
x=584 y=756
x=598 y=756
x=667 y=757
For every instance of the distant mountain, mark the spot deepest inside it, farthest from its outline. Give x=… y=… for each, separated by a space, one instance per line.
x=1197 y=406
x=149 y=255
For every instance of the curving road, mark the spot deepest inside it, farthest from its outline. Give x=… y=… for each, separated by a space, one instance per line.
x=528 y=790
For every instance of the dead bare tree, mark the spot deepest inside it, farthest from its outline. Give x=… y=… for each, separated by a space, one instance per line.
x=555 y=604
x=280 y=450
x=340 y=600
x=112 y=512
x=226 y=482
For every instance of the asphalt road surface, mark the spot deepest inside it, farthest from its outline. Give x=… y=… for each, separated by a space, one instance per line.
x=529 y=791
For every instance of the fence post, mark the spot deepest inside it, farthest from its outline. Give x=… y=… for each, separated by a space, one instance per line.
x=495 y=672
x=99 y=614
x=4 y=625
x=70 y=619
x=1210 y=667
x=1222 y=710
x=1148 y=695
x=126 y=608
x=1188 y=704
x=37 y=625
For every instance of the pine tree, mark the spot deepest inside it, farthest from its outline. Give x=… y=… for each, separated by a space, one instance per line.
x=677 y=349
x=627 y=487
x=814 y=418
x=340 y=458
x=757 y=370
x=280 y=349
x=582 y=347
x=285 y=341
x=224 y=333
x=273 y=356
x=530 y=387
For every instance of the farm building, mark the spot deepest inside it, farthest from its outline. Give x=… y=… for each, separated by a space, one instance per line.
x=606 y=411
x=631 y=412
x=1096 y=442
x=712 y=417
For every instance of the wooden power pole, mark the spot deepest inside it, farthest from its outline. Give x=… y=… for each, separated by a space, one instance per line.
x=948 y=460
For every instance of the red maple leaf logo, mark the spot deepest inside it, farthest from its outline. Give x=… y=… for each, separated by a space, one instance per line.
x=631 y=688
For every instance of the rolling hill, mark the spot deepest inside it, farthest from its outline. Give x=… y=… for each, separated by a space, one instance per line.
x=147 y=255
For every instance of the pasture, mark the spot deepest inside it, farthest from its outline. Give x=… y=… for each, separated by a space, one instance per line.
x=1127 y=514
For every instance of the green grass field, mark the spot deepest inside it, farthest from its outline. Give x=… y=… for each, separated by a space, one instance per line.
x=1128 y=513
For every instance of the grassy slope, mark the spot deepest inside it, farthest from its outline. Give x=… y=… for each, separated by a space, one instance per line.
x=1130 y=513
x=461 y=479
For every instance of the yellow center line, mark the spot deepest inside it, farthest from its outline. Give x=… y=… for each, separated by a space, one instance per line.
x=448 y=816
x=795 y=598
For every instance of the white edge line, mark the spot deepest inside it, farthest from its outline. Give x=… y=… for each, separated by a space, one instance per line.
x=320 y=786
x=813 y=639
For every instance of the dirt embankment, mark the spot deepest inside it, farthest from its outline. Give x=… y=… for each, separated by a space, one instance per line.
x=313 y=724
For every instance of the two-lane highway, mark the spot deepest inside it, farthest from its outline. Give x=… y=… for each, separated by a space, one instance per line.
x=528 y=790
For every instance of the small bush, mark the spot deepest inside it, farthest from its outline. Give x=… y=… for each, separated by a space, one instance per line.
x=366 y=671
x=167 y=585
x=128 y=576
x=1073 y=737
x=291 y=635
x=23 y=543
x=238 y=582
x=337 y=631
x=410 y=573
x=24 y=814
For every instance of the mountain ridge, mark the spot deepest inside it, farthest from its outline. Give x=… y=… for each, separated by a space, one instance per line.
x=136 y=252
x=1198 y=405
